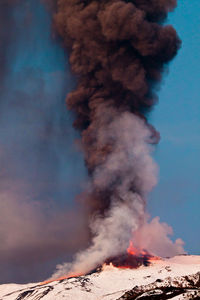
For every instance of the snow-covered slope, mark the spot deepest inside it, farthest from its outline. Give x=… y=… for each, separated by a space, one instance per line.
x=163 y=279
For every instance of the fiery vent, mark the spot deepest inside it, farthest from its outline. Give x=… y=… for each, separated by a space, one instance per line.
x=133 y=258
x=136 y=252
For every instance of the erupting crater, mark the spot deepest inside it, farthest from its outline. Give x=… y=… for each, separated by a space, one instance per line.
x=133 y=258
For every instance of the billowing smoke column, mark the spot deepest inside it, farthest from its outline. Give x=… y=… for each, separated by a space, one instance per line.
x=118 y=50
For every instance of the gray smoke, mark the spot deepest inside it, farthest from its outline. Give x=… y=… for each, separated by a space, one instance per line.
x=130 y=161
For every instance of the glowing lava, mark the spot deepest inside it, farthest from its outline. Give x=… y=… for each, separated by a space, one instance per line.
x=71 y=275
x=135 y=251
x=133 y=259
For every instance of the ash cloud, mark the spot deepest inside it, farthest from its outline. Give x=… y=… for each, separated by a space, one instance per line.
x=118 y=51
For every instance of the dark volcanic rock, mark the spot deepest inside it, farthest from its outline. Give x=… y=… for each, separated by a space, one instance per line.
x=188 y=287
x=129 y=261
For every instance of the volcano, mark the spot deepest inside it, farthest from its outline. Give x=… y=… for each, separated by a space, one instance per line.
x=133 y=258
x=129 y=261
x=174 y=278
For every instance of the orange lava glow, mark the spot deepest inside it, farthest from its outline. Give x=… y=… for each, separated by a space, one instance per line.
x=134 y=258
x=140 y=252
x=152 y=258
x=135 y=251
x=62 y=278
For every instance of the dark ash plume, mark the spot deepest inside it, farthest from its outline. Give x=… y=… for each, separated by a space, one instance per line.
x=118 y=50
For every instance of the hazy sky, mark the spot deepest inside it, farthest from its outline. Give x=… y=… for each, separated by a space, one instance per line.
x=41 y=170
x=176 y=199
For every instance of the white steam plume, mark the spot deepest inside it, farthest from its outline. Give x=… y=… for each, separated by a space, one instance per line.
x=131 y=172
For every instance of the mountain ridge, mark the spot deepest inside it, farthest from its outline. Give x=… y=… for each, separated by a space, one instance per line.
x=174 y=278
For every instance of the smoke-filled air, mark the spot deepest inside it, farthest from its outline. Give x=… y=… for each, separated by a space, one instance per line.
x=118 y=51
x=40 y=165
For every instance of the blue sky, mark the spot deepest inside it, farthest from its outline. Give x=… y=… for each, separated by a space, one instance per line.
x=39 y=73
x=176 y=199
